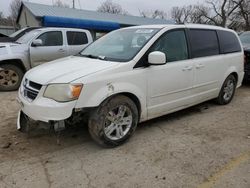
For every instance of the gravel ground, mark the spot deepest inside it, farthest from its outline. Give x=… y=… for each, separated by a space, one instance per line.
x=203 y=146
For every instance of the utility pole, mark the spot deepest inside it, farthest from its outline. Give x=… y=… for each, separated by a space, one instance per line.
x=73 y=3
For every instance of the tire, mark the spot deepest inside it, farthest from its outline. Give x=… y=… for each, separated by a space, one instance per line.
x=10 y=77
x=114 y=121
x=227 y=90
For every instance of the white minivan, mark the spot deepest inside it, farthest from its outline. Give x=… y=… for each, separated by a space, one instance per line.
x=132 y=75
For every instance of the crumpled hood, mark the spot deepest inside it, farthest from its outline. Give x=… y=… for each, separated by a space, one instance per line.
x=8 y=48
x=67 y=69
x=4 y=44
x=9 y=44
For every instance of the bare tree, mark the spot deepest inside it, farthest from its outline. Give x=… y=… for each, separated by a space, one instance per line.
x=177 y=14
x=182 y=14
x=156 y=14
x=15 y=5
x=197 y=15
x=221 y=11
x=110 y=7
x=59 y=3
x=242 y=16
x=189 y=14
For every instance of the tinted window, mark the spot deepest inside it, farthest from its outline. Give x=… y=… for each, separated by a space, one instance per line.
x=228 y=42
x=203 y=42
x=173 y=44
x=51 y=38
x=76 y=38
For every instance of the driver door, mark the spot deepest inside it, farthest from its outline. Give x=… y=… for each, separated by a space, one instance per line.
x=169 y=85
x=52 y=48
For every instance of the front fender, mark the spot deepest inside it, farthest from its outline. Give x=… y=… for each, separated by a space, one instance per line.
x=23 y=62
x=18 y=54
x=93 y=97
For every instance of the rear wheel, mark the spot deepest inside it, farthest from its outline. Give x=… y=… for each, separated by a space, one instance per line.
x=227 y=90
x=114 y=121
x=10 y=77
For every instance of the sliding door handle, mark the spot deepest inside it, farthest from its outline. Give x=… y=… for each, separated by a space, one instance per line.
x=187 y=68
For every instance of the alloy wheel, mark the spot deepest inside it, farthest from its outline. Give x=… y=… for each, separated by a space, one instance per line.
x=118 y=122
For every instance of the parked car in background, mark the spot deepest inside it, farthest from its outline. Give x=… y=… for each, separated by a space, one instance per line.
x=15 y=36
x=37 y=47
x=245 y=40
x=133 y=75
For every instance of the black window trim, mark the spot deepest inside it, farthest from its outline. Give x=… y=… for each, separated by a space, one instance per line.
x=221 y=51
x=49 y=32
x=141 y=64
x=77 y=32
x=203 y=29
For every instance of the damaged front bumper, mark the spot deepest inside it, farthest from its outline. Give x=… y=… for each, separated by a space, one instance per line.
x=43 y=110
x=24 y=122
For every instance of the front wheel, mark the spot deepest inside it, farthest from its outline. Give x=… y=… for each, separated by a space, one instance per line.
x=10 y=77
x=114 y=121
x=227 y=90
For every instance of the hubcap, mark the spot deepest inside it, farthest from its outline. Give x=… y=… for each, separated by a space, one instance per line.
x=8 y=77
x=118 y=122
x=228 y=90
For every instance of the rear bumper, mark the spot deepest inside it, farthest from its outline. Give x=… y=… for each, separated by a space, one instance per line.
x=44 y=109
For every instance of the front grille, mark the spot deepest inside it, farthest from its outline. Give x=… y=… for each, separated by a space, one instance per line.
x=35 y=85
x=31 y=89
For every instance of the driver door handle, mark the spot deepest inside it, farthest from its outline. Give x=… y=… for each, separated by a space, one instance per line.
x=199 y=66
x=61 y=50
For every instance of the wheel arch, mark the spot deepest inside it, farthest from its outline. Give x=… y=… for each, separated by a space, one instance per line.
x=231 y=71
x=16 y=62
x=131 y=96
x=236 y=76
x=134 y=98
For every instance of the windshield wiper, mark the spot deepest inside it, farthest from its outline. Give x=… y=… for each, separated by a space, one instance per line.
x=93 y=56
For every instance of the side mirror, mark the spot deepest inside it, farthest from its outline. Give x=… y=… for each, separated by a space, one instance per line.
x=157 y=58
x=37 y=42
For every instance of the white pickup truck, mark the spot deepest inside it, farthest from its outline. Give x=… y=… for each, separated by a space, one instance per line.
x=35 y=48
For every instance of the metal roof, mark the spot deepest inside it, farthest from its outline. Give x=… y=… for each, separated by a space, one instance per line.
x=40 y=10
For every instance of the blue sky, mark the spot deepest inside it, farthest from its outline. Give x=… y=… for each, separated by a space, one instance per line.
x=132 y=6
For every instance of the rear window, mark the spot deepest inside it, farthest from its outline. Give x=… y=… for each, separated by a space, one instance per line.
x=228 y=42
x=76 y=38
x=203 y=42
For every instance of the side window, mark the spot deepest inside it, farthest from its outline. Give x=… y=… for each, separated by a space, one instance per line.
x=173 y=44
x=76 y=38
x=203 y=42
x=228 y=42
x=51 y=38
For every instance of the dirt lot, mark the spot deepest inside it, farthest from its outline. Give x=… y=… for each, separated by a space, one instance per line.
x=203 y=146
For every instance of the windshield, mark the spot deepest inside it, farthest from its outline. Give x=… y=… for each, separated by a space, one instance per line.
x=120 y=45
x=28 y=36
x=245 y=38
